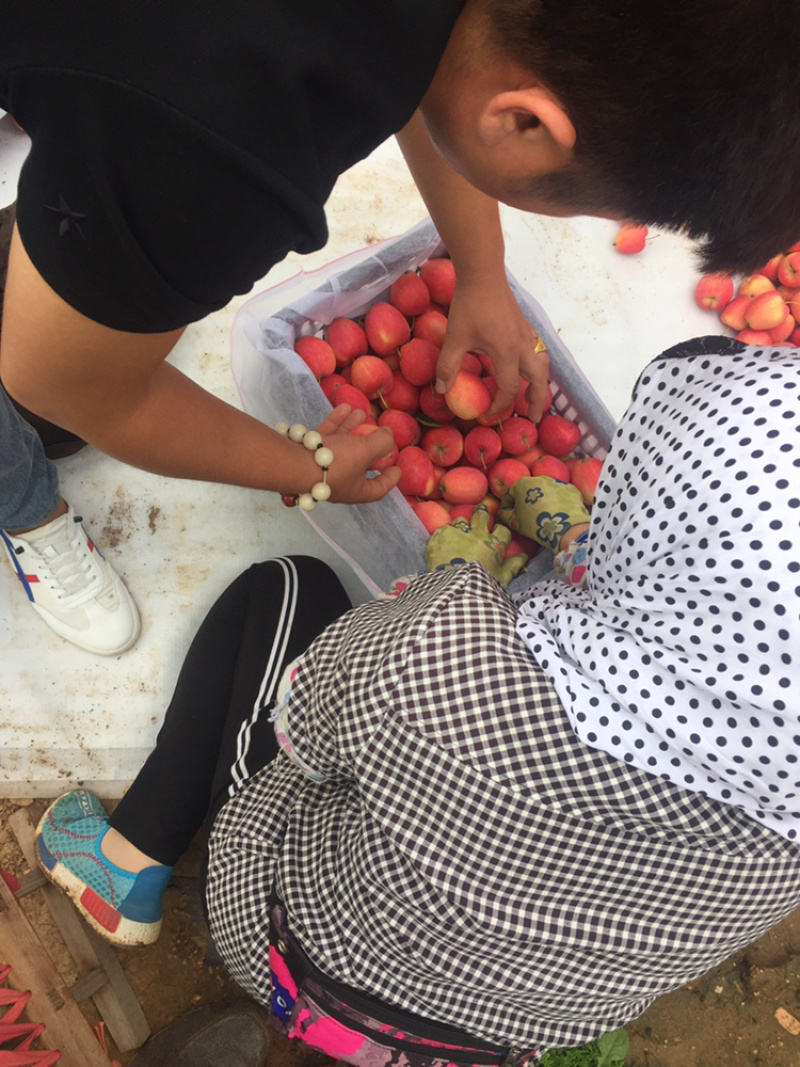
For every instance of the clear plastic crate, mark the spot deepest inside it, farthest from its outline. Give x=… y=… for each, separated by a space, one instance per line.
x=382 y=540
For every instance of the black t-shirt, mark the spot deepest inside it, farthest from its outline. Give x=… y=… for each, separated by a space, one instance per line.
x=180 y=149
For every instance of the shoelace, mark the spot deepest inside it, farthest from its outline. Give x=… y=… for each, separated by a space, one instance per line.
x=68 y=564
x=15 y=1001
x=21 y=1055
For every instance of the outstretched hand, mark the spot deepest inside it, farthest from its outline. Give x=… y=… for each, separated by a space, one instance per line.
x=488 y=320
x=354 y=456
x=464 y=542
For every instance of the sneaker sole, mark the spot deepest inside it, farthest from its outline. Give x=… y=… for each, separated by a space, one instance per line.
x=98 y=913
x=69 y=635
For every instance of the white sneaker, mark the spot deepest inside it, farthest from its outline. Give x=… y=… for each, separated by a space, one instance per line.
x=73 y=588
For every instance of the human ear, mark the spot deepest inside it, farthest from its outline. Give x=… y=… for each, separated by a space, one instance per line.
x=526 y=113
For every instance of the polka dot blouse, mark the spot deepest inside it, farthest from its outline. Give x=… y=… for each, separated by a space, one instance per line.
x=680 y=655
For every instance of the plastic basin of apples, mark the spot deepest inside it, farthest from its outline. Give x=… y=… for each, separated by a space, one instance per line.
x=367 y=330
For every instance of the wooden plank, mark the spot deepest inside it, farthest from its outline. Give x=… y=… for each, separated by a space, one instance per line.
x=29 y=883
x=117 y=1003
x=51 y=1001
x=88 y=984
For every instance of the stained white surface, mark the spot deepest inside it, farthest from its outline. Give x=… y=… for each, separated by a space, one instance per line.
x=67 y=716
x=614 y=312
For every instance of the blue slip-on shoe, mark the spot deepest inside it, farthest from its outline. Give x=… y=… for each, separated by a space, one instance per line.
x=122 y=907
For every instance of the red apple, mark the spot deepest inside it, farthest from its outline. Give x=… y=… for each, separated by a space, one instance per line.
x=386 y=328
x=433 y=405
x=406 y=429
x=471 y=363
x=409 y=294
x=789 y=270
x=438 y=474
x=464 y=485
x=431 y=514
x=444 y=445
x=733 y=314
x=431 y=326
x=417 y=478
x=371 y=375
x=584 y=475
x=754 y=337
x=766 y=311
x=518 y=435
x=468 y=396
x=418 y=359
x=754 y=285
x=347 y=339
x=402 y=395
x=339 y=391
x=463 y=511
x=482 y=447
x=499 y=416
x=795 y=337
x=317 y=355
x=532 y=454
x=521 y=404
x=520 y=543
x=550 y=466
x=505 y=473
x=770 y=268
x=714 y=291
x=630 y=239
x=439 y=275
x=783 y=331
x=558 y=435
x=331 y=383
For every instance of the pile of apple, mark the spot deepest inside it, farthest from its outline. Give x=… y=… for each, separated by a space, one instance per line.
x=764 y=308
x=452 y=455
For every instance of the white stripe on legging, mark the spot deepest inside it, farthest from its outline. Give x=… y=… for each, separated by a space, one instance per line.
x=266 y=692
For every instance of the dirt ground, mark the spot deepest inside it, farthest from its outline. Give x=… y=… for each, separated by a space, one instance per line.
x=725 y=1019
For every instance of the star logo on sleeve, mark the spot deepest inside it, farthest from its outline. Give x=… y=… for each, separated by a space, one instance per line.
x=69 y=218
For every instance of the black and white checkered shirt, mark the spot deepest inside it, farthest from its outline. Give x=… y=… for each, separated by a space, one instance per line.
x=467 y=857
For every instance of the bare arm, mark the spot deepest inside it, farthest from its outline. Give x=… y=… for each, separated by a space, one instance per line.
x=485 y=316
x=116 y=391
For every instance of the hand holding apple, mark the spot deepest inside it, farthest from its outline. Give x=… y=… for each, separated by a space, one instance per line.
x=353 y=456
x=464 y=542
x=485 y=318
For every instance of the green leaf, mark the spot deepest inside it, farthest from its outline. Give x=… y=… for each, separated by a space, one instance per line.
x=612 y=1048
x=609 y=1051
x=585 y=1056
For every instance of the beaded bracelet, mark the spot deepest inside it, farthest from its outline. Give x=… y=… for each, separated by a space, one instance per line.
x=323 y=456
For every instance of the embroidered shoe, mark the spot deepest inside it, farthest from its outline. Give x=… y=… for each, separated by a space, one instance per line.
x=72 y=587
x=122 y=907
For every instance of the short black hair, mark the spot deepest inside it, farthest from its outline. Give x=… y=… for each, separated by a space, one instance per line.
x=687 y=114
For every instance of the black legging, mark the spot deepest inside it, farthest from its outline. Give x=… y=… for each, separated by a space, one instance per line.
x=216 y=732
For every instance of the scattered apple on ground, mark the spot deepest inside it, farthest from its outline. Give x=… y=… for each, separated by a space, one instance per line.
x=630 y=239
x=452 y=455
x=714 y=291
